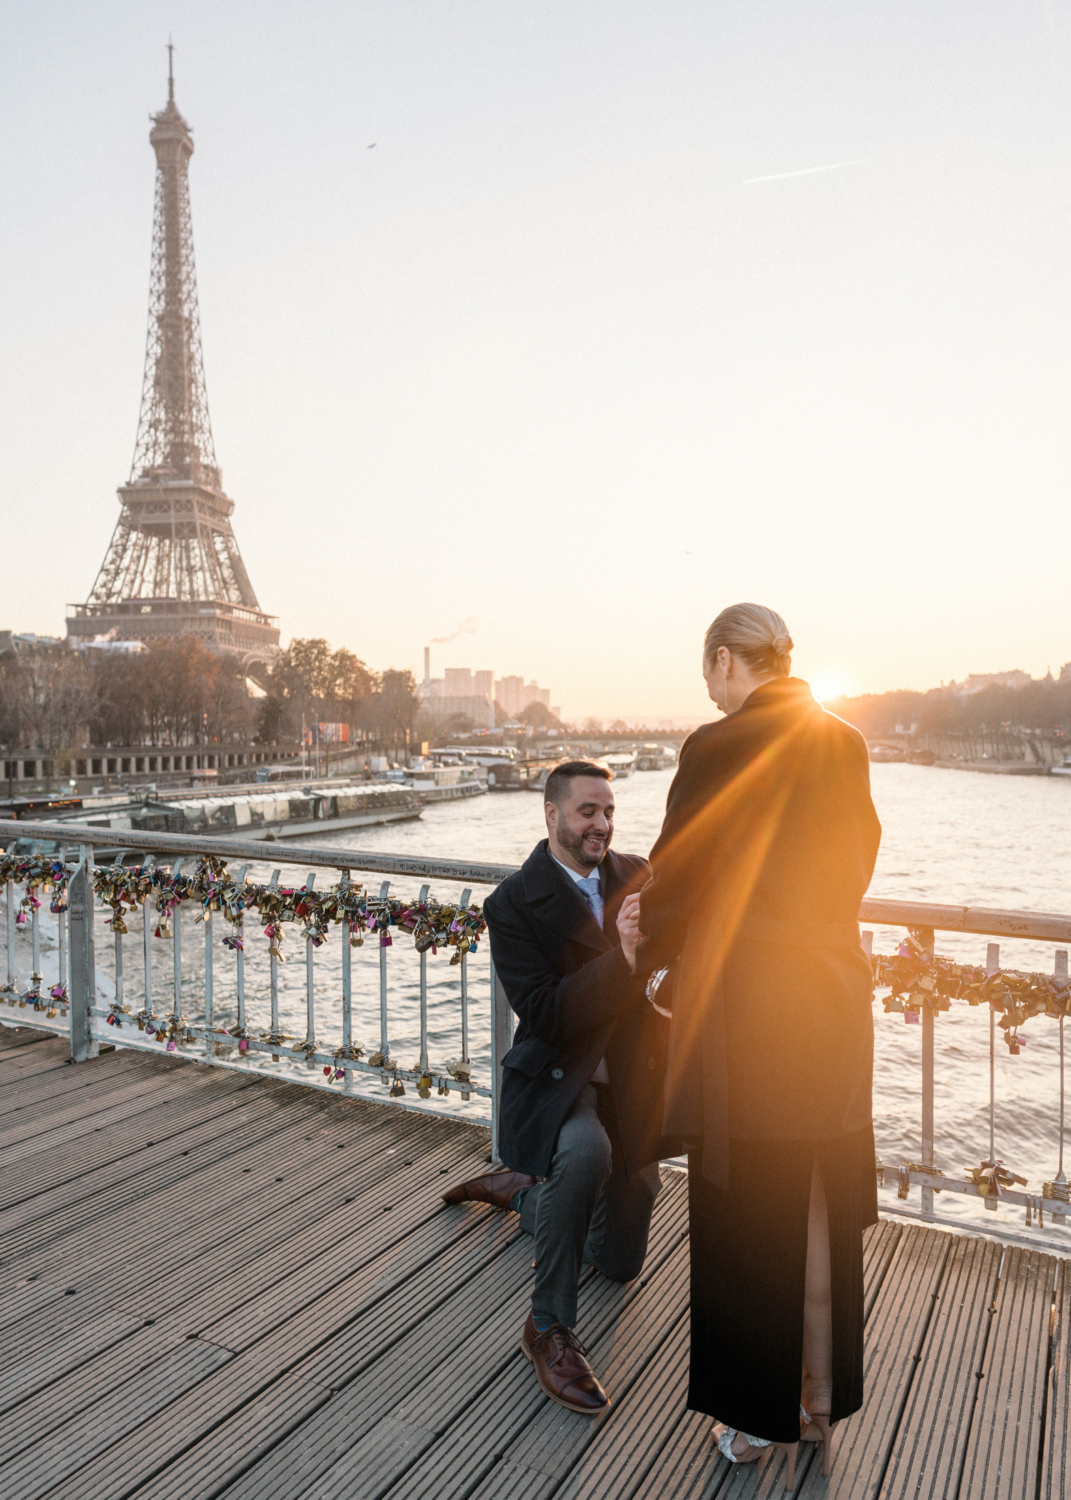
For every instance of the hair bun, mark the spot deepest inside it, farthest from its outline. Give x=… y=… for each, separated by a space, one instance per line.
x=759 y=636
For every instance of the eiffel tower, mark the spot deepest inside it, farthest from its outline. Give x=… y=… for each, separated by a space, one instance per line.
x=173 y=565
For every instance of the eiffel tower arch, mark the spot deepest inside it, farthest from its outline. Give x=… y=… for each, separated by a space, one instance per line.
x=173 y=566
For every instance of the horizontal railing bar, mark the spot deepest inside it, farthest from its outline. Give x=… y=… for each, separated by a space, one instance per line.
x=1054 y=1207
x=275 y=853
x=321 y=1059
x=1052 y=927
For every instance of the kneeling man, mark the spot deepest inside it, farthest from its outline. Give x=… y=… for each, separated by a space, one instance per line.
x=581 y=1099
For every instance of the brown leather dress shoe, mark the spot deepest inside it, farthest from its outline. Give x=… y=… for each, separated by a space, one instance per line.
x=562 y=1368
x=497 y=1189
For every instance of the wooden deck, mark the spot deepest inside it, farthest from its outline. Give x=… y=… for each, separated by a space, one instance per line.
x=218 y=1285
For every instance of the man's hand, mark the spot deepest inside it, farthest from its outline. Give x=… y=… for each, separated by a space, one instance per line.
x=628 y=928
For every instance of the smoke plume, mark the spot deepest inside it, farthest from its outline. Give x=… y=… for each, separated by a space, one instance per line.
x=467 y=627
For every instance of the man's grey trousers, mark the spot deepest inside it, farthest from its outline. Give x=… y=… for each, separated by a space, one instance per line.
x=586 y=1212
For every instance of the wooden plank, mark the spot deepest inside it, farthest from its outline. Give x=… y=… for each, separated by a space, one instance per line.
x=73 y=1392
x=624 y=1326
x=643 y=1364
x=895 y=1333
x=42 y=1058
x=84 y=1384
x=53 y=1357
x=83 y=1154
x=213 y=1131
x=48 y=1155
x=325 y=1262
x=51 y=1243
x=1006 y=1428
x=927 y=1455
x=138 y=1139
x=14 y=1037
x=1056 y=1454
x=687 y=1465
x=272 y=1194
x=467 y=1449
x=50 y=1323
x=67 y=1454
x=124 y=1096
x=32 y=1095
x=879 y=1245
x=376 y=1363
x=21 y=1297
x=211 y=1464
x=226 y=1401
x=324 y=1357
x=29 y=1422
x=234 y=1445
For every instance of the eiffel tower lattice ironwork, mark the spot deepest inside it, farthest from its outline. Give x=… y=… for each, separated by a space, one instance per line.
x=173 y=565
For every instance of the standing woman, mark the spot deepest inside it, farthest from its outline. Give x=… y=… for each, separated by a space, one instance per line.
x=767 y=848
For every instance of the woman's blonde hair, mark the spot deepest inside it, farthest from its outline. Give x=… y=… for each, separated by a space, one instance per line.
x=756 y=634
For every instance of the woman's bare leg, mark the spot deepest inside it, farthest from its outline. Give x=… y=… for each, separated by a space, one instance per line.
x=818 y=1306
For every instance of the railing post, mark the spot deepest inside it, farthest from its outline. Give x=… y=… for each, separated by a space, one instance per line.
x=992 y=964
x=9 y=910
x=924 y=936
x=502 y=1026
x=1060 y=971
x=384 y=1025
x=83 y=961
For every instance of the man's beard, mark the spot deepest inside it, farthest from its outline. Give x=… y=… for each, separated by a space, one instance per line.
x=573 y=843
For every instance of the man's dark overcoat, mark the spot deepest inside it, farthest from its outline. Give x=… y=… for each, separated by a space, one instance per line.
x=576 y=1002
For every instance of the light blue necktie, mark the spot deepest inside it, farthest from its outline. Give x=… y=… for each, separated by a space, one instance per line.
x=590 y=886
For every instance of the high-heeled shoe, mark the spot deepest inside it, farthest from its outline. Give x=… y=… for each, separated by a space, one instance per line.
x=822 y=1429
x=754 y=1450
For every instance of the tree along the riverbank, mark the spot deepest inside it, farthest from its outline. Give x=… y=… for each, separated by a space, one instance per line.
x=311 y=683
x=174 y=692
x=178 y=692
x=1039 y=707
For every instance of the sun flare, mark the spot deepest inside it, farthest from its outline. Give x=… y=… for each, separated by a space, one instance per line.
x=828 y=689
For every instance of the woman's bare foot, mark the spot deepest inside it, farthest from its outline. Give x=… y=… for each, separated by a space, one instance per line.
x=743 y=1451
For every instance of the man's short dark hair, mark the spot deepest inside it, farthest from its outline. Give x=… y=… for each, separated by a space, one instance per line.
x=560 y=780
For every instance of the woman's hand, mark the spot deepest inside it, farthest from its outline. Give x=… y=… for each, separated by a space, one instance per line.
x=628 y=929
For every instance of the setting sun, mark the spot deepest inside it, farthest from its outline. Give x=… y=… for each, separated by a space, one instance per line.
x=827 y=689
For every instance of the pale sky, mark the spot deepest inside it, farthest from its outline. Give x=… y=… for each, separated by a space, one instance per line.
x=582 y=347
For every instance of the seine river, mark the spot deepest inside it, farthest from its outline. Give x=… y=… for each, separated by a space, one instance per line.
x=949 y=836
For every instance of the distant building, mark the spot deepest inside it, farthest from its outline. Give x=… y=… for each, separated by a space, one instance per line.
x=514 y=695
x=976 y=681
x=477 y=695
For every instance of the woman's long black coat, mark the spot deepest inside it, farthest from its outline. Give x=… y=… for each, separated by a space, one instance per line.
x=767 y=849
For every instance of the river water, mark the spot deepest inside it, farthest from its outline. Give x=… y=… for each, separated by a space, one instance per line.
x=949 y=836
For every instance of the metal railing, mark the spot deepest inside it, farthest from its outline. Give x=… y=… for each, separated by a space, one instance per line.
x=252 y=1023
x=229 y=1021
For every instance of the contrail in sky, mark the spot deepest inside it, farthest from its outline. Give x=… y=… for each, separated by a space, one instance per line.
x=833 y=166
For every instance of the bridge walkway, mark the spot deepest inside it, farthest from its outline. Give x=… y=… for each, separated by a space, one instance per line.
x=218 y=1284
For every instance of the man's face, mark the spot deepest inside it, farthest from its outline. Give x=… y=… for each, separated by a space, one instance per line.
x=582 y=827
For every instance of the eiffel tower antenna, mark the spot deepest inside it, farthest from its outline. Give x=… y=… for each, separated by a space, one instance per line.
x=173 y=565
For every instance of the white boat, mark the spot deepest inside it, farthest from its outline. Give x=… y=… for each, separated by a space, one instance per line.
x=620 y=762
